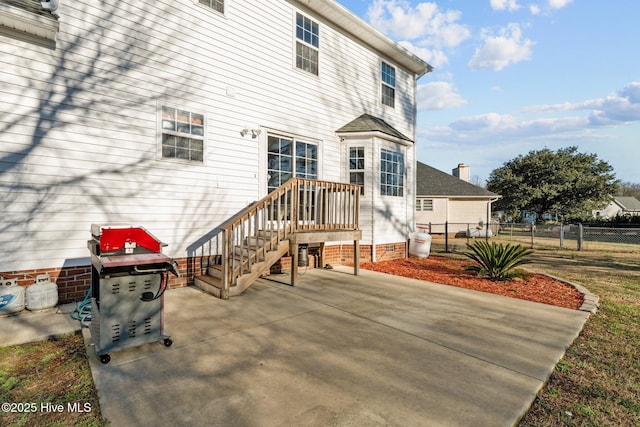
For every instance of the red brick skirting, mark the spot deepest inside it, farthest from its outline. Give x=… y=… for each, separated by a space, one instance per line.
x=74 y=282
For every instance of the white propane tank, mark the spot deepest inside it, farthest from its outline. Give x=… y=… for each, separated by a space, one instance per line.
x=11 y=297
x=42 y=294
x=420 y=244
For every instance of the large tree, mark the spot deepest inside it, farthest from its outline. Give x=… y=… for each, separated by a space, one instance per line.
x=565 y=183
x=630 y=189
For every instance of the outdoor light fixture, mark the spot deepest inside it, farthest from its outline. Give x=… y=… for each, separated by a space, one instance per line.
x=254 y=132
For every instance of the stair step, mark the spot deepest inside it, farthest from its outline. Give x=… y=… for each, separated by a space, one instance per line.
x=209 y=284
x=215 y=271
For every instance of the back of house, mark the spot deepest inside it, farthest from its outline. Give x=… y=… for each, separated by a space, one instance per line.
x=177 y=115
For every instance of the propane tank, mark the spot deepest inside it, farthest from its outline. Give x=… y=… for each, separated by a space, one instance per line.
x=11 y=297
x=42 y=294
x=420 y=244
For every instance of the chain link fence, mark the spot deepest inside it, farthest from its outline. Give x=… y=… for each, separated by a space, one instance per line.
x=454 y=237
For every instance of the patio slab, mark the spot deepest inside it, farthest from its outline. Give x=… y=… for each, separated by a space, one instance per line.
x=338 y=350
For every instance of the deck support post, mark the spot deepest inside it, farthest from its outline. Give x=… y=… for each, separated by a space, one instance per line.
x=293 y=249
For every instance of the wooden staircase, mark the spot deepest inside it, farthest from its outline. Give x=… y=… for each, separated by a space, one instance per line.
x=248 y=244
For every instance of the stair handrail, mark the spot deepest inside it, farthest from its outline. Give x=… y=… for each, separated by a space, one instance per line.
x=305 y=205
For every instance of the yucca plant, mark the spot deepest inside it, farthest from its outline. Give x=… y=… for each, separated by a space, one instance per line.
x=496 y=261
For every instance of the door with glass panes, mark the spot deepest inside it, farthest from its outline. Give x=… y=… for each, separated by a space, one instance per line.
x=289 y=157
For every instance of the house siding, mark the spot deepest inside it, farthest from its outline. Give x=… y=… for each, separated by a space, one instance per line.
x=80 y=140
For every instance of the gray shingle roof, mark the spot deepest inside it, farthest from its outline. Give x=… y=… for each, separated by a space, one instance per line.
x=369 y=123
x=432 y=182
x=628 y=203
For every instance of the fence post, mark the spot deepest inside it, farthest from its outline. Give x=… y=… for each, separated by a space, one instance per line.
x=580 y=236
x=446 y=236
x=533 y=228
x=561 y=235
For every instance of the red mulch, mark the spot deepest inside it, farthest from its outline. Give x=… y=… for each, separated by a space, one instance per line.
x=451 y=271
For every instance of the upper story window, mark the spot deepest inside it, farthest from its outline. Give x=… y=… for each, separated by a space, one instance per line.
x=356 y=167
x=182 y=134
x=391 y=173
x=307 y=44
x=388 y=85
x=217 y=5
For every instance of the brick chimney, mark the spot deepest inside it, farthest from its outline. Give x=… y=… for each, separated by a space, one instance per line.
x=463 y=172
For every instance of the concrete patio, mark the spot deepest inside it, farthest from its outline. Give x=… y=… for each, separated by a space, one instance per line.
x=338 y=349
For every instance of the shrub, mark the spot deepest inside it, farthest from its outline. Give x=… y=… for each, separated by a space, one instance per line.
x=496 y=261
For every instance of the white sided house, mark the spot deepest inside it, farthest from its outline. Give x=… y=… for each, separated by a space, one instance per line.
x=233 y=131
x=446 y=199
x=619 y=206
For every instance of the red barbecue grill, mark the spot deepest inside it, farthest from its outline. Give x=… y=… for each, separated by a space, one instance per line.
x=129 y=275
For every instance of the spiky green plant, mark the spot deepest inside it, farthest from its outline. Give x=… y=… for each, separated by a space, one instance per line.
x=496 y=261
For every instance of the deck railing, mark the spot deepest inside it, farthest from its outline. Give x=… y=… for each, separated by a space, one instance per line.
x=297 y=205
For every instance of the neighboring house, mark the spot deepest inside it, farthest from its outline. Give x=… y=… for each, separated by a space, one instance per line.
x=619 y=206
x=442 y=198
x=178 y=115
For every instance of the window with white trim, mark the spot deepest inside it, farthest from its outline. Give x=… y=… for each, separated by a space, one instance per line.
x=356 y=167
x=182 y=134
x=217 y=5
x=391 y=173
x=288 y=157
x=388 y=78
x=424 y=204
x=307 y=44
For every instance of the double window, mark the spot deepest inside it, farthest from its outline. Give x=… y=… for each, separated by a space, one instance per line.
x=307 y=44
x=288 y=158
x=217 y=5
x=391 y=173
x=388 y=90
x=182 y=134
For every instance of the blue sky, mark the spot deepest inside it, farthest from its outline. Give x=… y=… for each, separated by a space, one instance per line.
x=511 y=76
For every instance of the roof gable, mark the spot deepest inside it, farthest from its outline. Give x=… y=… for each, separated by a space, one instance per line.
x=433 y=182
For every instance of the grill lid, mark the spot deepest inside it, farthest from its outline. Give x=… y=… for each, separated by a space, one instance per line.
x=125 y=239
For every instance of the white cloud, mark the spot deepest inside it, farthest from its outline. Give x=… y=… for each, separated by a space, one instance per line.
x=558 y=122
x=501 y=50
x=425 y=22
x=435 y=57
x=509 y=5
x=438 y=96
x=622 y=106
x=558 y=4
x=484 y=121
x=534 y=9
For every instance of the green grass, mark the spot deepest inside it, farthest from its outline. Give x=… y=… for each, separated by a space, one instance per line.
x=54 y=371
x=597 y=383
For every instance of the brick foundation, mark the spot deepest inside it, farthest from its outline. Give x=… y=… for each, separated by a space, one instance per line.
x=73 y=282
x=343 y=254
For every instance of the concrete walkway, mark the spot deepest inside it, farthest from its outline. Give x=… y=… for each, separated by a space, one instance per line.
x=343 y=350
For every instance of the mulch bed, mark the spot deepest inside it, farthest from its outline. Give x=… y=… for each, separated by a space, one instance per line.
x=451 y=271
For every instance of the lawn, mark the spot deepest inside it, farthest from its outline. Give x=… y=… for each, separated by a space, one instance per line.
x=597 y=383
